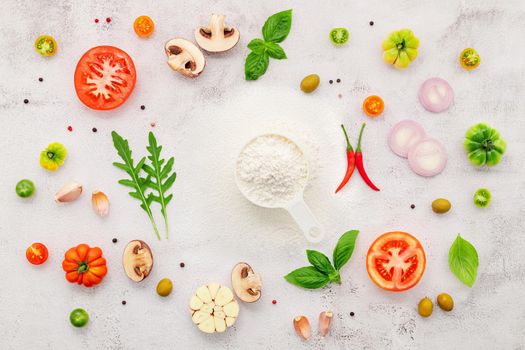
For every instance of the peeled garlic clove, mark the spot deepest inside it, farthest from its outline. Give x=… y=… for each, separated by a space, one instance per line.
x=325 y=321
x=100 y=203
x=69 y=192
x=302 y=327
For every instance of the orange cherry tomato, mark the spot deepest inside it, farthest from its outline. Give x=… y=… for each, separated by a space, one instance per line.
x=36 y=253
x=373 y=106
x=84 y=265
x=143 y=26
x=396 y=261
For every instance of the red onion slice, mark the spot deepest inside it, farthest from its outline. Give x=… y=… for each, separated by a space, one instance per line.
x=404 y=135
x=428 y=157
x=436 y=95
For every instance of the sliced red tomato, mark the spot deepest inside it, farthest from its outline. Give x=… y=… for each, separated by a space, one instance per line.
x=36 y=253
x=105 y=77
x=396 y=261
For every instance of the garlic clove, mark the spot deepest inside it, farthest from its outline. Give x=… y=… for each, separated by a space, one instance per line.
x=100 y=203
x=325 y=322
x=69 y=192
x=302 y=327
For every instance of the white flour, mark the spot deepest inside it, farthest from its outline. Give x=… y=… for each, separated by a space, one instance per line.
x=271 y=170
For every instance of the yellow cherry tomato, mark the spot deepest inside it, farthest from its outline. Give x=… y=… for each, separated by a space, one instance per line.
x=373 y=106
x=469 y=59
x=46 y=45
x=143 y=26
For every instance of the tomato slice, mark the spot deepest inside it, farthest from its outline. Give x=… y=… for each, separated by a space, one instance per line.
x=36 y=253
x=373 y=106
x=396 y=261
x=143 y=26
x=105 y=77
x=46 y=45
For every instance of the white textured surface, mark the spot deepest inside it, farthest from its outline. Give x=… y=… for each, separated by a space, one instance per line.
x=205 y=122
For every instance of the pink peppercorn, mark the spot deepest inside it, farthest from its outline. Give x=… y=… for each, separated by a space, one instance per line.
x=96 y=20
x=274 y=301
x=108 y=19
x=70 y=128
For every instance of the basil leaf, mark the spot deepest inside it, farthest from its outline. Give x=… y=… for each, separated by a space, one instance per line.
x=277 y=26
x=307 y=277
x=256 y=65
x=257 y=45
x=275 y=51
x=320 y=261
x=344 y=248
x=463 y=261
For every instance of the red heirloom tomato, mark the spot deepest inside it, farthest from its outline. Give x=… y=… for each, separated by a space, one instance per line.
x=84 y=265
x=396 y=261
x=36 y=253
x=105 y=77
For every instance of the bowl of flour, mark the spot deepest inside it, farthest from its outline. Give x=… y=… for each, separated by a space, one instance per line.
x=272 y=172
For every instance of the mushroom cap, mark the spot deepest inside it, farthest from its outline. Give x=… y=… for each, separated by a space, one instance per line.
x=184 y=57
x=137 y=260
x=246 y=284
x=216 y=37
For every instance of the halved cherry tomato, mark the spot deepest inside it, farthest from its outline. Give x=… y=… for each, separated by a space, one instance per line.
x=143 y=26
x=373 y=106
x=396 y=261
x=469 y=59
x=46 y=45
x=36 y=253
x=105 y=77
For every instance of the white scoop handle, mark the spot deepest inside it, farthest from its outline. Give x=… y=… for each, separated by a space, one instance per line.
x=301 y=213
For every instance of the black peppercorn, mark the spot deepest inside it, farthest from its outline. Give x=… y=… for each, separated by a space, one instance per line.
x=412 y=206
x=26 y=101
x=352 y=314
x=40 y=79
x=371 y=23
x=182 y=264
x=123 y=302
x=143 y=107
x=94 y=129
x=331 y=81
x=114 y=240
x=338 y=80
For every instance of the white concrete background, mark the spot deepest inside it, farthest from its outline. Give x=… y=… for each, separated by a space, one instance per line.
x=205 y=122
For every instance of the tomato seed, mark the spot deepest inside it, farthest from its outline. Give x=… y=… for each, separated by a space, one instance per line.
x=70 y=128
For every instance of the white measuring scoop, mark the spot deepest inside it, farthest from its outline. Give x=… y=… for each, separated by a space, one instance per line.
x=294 y=203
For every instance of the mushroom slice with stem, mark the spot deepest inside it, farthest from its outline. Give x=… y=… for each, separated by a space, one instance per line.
x=246 y=284
x=184 y=57
x=216 y=37
x=137 y=260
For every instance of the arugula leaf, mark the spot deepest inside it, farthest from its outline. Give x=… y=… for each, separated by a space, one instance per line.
x=160 y=181
x=307 y=277
x=463 y=261
x=138 y=183
x=275 y=51
x=344 y=248
x=277 y=26
x=320 y=261
x=257 y=45
x=256 y=65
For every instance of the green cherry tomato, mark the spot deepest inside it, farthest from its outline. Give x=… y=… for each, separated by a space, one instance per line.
x=79 y=317
x=46 y=45
x=339 y=36
x=25 y=188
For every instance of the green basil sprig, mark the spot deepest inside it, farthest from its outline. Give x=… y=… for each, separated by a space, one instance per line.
x=275 y=30
x=322 y=271
x=463 y=261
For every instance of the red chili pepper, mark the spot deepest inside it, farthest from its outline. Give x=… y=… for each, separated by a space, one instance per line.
x=350 y=162
x=359 y=162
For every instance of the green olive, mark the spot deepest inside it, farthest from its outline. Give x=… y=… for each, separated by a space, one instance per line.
x=445 y=301
x=310 y=83
x=164 y=287
x=441 y=205
x=425 y=307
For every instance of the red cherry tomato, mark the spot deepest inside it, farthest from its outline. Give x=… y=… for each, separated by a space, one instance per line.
x=373 y=106
x=36 y=253
x=396 y=261
x=105 y=77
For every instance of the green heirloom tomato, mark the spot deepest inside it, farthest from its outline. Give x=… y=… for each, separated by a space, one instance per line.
x=53 y=156
x=484 y=145
x=79 y=317
x=25 y=188
x=400 y=48
x=339 y=36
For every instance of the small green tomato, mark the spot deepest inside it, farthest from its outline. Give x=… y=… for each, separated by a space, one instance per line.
x=79 y=317
x=25 y=188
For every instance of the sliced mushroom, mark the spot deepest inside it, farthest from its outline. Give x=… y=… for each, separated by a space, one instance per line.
x=216 y=37
x=246 y=284
x=184 y=57
x=137 y=260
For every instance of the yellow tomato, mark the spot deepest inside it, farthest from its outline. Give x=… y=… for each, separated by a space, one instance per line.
x=46 y=45
x=373 y=106
x=143 y=26
x=469 y=59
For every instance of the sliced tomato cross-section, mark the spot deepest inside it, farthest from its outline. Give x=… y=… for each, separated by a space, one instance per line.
x=396 y=261
x=105 y=77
